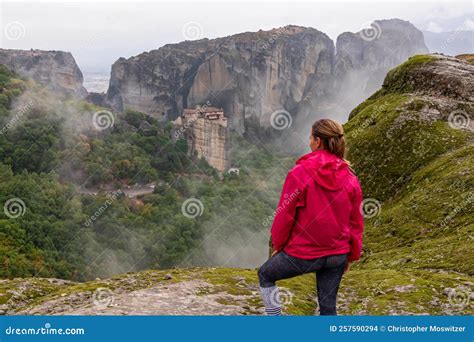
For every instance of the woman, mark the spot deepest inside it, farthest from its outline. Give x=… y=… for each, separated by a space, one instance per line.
x=318 y=224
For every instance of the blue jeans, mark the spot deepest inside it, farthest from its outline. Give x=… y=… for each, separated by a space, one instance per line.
x=328 y=269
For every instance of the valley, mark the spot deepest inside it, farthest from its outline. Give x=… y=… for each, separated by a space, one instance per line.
x=168 y=217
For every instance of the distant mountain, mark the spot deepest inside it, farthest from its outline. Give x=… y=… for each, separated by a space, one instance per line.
x=450 y=43
x=253 y=74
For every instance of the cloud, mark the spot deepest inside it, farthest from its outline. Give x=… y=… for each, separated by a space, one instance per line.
x=97 y=34
x=434 y=27
x=468 y=24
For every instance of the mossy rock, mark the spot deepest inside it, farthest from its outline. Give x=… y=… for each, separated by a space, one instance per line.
x=400 y=79
x=388 y=141
x=467 y=57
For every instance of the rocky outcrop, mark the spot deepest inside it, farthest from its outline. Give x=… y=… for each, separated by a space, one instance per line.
x=231 y=291
x=411 y=143
x=363 y=58
x=207 y=134
x=248 y=74
x=56 y=69
x=252 y=80
x=440 y=77
x=427 y=96
x=378 y=48
x=253 y=74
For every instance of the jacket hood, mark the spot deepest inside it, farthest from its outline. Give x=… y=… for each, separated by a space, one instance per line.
x=326 y=169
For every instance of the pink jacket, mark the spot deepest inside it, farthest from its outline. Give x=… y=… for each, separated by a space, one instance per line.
x=319 y=209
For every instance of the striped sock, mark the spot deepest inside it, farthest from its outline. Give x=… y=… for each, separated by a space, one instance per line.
x=270 y=299
x=276 y=311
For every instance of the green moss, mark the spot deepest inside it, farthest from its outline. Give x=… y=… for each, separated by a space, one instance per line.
x=388 y=291
x=19 y=292
x=420 y=170
x=227 y=280
x=398 y=80
x=429 y=222
x=389 y=140
x=372 y=111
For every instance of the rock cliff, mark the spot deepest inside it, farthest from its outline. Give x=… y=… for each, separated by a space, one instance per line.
x=253 y=74
x=207 y=134
x=248 y=75
x=56 y=69
x=363 y=59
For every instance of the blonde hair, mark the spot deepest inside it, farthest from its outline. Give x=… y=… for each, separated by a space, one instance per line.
x=331 y=134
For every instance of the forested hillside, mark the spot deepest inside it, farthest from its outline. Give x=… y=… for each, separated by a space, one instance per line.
x=54 y=148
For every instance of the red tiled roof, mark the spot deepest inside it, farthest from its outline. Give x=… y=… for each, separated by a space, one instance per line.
x=204 y=110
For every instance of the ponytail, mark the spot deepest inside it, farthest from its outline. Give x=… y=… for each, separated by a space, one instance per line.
x=331 y=134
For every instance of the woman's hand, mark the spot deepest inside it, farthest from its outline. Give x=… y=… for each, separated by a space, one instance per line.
x=346 y=268
x=274 y=252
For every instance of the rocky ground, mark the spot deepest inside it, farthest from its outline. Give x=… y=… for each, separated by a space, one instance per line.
x=226 y=291
x=173 y=292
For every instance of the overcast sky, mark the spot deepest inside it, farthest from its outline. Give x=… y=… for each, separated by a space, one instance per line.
x=99 y=33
